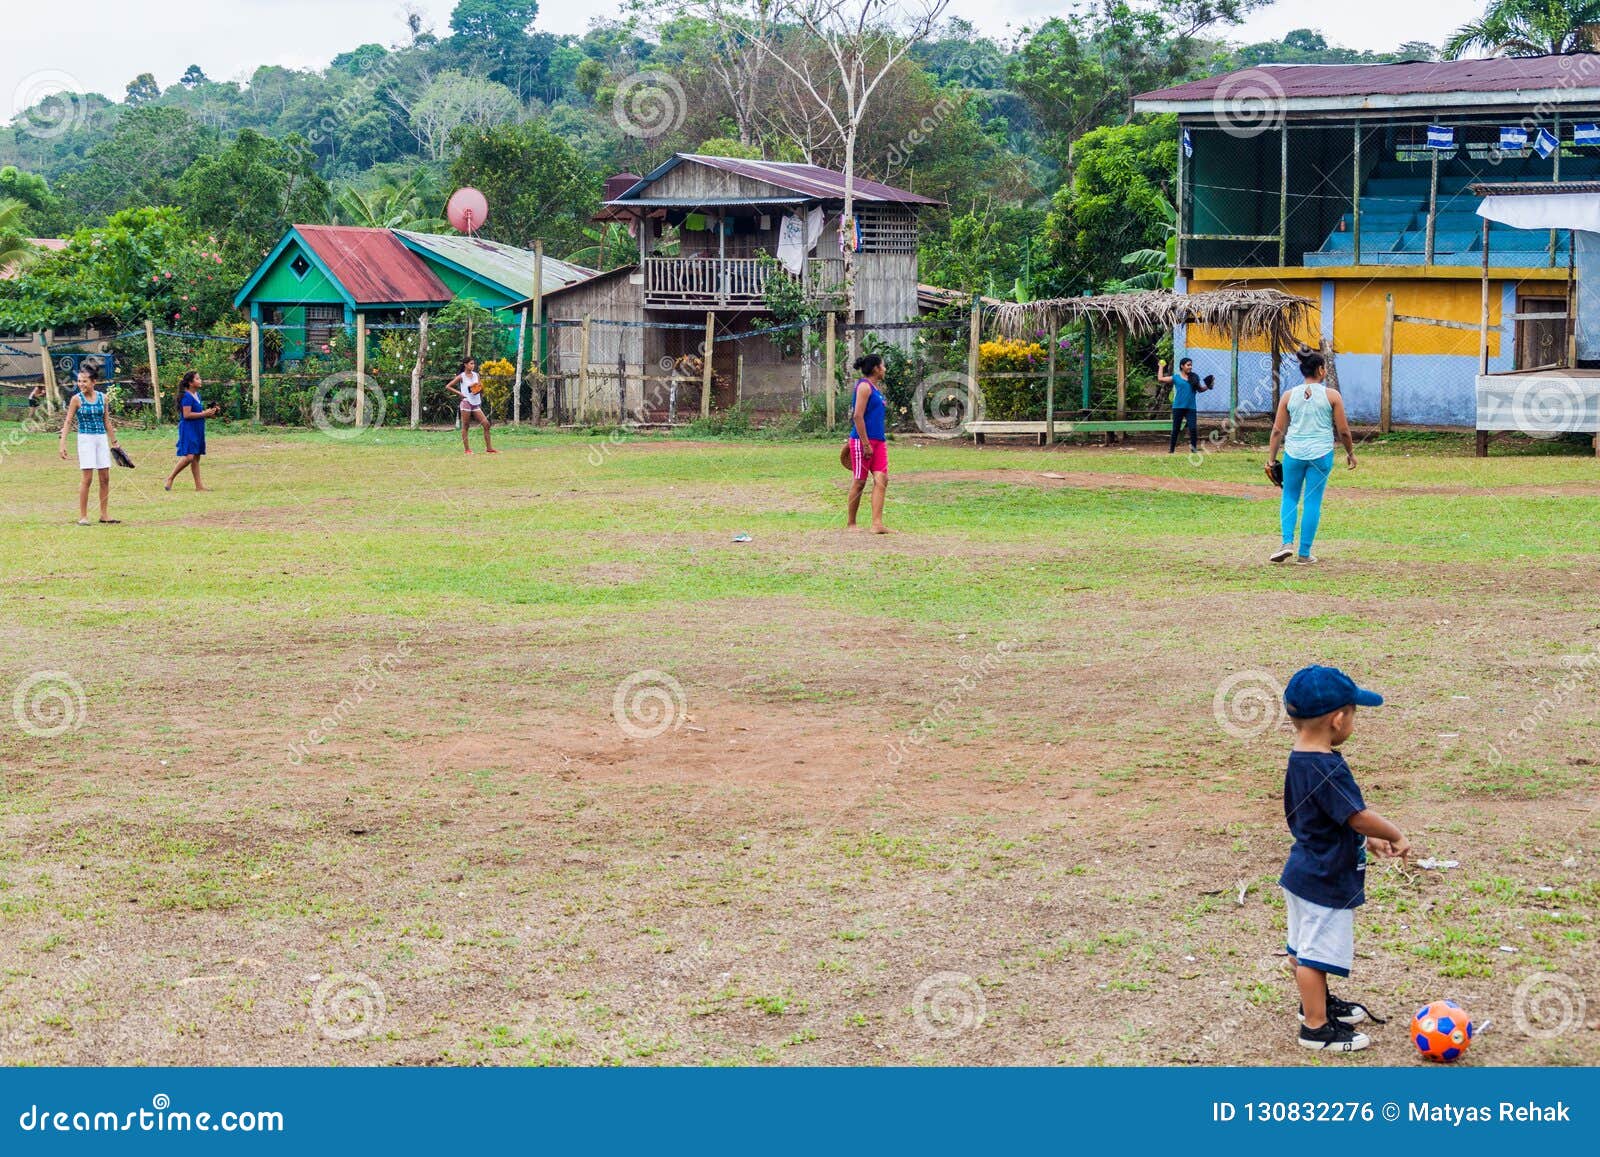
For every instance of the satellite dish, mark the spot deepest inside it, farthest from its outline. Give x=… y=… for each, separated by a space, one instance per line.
x=467 y=210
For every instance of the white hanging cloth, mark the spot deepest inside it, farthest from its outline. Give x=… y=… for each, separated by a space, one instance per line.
x=791 y=243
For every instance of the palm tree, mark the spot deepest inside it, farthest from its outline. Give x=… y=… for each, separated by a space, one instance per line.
x=1157 y=268
x=1529 y=28
x=608 y=248
x=15 y=248
x=388 y=207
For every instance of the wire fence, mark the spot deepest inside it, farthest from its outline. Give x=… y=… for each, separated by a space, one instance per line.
x=940 y=375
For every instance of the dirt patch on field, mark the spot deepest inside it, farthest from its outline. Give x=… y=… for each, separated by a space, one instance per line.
x=1079 y=479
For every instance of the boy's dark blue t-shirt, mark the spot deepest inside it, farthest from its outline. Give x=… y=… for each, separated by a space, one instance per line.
x=1327 y=864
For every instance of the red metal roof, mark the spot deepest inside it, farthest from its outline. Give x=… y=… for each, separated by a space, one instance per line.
x=1507 y=74
x=373 y=266
x=807 y=180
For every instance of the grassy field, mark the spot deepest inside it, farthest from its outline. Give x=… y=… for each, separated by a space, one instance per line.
x=379 y=754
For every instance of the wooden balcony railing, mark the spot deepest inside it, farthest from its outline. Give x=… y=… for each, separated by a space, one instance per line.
x=730 y=281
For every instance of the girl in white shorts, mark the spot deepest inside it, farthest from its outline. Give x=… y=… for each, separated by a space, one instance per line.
x=471 y=392
x=97 y=435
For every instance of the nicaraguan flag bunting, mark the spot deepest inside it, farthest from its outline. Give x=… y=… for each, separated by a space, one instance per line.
x=1545 y=143
x=1513 y=139
x=1586 y=134
x=1440 y=137
x=1188 y=144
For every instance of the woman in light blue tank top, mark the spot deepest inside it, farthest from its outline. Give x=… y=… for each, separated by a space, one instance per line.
x=1310 y=417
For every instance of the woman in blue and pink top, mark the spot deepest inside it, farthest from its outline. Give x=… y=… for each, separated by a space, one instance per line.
x=869 y=447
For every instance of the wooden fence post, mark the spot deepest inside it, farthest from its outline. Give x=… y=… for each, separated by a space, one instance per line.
x=1050 y=390
x=705 y=364
x=1233 y=384
x=468 y=352
x=417 y=369
x=622 y=386
x=155 y=377
x=738 y=381
x=1386 y=367
x=255 y=369
x=516 y=381
x=830 y=368
x=52 y=392
x=1122 y=371
x=361 y=370
x=583 y=369
x=537 y=357
x=974 y=336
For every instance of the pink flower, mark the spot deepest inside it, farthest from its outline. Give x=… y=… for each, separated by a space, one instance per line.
x=186 y=297
x=169 y=273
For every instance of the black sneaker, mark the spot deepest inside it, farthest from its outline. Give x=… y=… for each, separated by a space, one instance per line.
x=1347 y=1011
x=1334 y=1036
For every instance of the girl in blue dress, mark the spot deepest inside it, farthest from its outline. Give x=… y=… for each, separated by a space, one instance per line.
x=191 y=429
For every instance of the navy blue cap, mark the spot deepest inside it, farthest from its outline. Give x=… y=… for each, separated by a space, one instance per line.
x=1315 y=691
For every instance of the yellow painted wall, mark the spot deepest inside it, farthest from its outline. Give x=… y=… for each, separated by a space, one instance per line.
x=1359 y=310
x=1205 y=337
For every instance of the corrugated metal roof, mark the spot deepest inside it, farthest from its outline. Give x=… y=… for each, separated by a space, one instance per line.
x=707 y=202
x=1576 y=74
x=505 y=265
x=807 y=180
x=373 y=266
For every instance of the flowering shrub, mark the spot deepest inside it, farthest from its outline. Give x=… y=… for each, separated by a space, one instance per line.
x=1008 y=398
x=496 y=378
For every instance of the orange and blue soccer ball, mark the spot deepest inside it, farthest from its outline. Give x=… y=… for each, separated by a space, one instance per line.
x=1441 y=1030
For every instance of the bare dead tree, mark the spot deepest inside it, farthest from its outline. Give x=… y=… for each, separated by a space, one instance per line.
x=861 y=41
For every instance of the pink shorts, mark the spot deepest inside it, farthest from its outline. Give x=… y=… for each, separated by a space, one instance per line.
x=875 y=460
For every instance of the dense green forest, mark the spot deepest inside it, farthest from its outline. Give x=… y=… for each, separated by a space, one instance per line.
x=177 y=192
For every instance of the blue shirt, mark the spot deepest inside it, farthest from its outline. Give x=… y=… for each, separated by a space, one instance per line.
x=1328 y=863
x=92 y=415
x=1183 y=390
x=873 y=419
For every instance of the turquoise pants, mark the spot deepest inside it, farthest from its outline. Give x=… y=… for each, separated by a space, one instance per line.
x=1304 y=480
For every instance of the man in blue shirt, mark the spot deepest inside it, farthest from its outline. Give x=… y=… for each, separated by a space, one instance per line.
x=1185 y=385
x=1324 y=879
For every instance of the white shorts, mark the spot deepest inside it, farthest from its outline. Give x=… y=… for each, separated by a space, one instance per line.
x=1321 y=938
x=94 y=452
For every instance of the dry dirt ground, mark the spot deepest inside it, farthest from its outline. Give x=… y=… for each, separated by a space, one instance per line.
x=366 y=760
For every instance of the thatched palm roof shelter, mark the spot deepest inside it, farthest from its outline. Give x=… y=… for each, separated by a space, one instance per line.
x=1258 y=313
x=1245 y=314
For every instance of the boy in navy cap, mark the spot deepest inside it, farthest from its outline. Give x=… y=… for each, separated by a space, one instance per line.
x=1333 y=829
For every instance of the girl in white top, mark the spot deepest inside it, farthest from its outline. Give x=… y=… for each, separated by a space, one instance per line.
x=471 y=391
x=97 y=434
x=1310 y=416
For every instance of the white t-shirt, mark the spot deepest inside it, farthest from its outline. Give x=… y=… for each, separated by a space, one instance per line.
x=468 y=382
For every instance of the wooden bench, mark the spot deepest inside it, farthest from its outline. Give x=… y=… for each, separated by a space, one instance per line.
x=1037 y=430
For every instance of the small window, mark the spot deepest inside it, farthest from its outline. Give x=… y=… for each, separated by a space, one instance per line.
x=300 y=266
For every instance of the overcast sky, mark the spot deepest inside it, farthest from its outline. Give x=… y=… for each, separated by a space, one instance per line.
x=99 y=45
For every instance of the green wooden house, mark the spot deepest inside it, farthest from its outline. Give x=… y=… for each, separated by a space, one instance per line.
x=318 y=277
